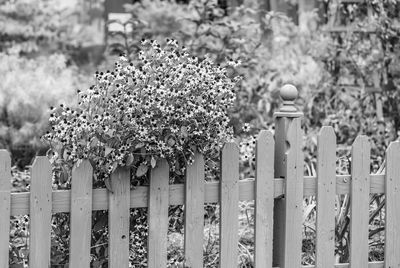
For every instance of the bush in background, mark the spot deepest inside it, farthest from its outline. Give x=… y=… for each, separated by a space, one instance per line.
x=28 y=88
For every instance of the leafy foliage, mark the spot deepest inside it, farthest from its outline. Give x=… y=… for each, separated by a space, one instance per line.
x=29 y=87
x=365 y=57
x=32 y=27
x=169 y=106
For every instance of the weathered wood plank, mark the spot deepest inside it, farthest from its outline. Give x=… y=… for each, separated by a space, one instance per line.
x=118 y=219
x=229 y=206
x=264 y=200
x=139 y=199
x=40 y=213
x=392 y=221
x=158 y=215
x=5 y=206
x=378 y=264
x=279 y=205
x=81 y=215
x=194 y=213
x=359 y=214
x=293 y=195
x=326 y=191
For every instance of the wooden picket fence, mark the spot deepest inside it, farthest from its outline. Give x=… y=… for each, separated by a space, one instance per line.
x=277 y=189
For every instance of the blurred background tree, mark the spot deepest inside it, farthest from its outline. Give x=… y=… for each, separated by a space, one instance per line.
x=48 y=49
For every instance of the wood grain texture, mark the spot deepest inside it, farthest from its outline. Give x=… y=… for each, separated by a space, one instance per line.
x=359 y=214
x=139 y=196
x=293 y=195
x=81 y=215
x=392 y=220
x=118 y=219
x=229 y=210
x=326 y=193
x=264 y=200
x=158 y=215
x=279 y=205
x=194 y=213
x=5 y=206
x=40 y=213
x=378 y=264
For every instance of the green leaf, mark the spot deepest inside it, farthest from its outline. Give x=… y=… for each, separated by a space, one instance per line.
x=108 y=150
x=63 y=174
x=94 y=142
x=114 y=166
x=141 y=170
x=52 y=155
x=153 y=162
x=139 y=145
x=100 y=223
x=110 y=132
x=107 y=182
x=129 y=160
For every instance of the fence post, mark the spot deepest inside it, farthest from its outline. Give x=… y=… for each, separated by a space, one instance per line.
x=288 y=117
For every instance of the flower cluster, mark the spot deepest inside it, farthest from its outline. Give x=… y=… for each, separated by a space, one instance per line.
x=168 y=105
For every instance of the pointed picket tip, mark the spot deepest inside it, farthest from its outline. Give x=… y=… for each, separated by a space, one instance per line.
x=327 y=132
x=361 y=144
x=199 y=158
x=361 y=140
x=393 y=146
x=5 y=170
x=265 y=136
x=230 y=148
x=84 y=165
x=197 y=164
x=161 y=164
x=40 y=160
x=41 y=163
x=4 y=155
x=160 y=170
x=82 y=178
x=265 y=146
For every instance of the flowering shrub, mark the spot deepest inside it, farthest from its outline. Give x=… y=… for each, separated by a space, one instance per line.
x=169 y=105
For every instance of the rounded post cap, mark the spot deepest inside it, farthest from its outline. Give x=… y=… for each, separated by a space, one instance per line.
x=288 y=94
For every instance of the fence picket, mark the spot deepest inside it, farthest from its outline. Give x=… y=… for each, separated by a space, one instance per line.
x=81 y=215
x=40 y=213
x=5 y=206
x=293 y=196
x=118 y=219
x=158 y=215
x=264 y=200
x=194 y=213
x=359 y=214
x=392 y=221
x=229 y=206
x=326 y=190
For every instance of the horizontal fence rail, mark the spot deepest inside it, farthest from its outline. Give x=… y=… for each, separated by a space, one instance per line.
x=139 y=196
